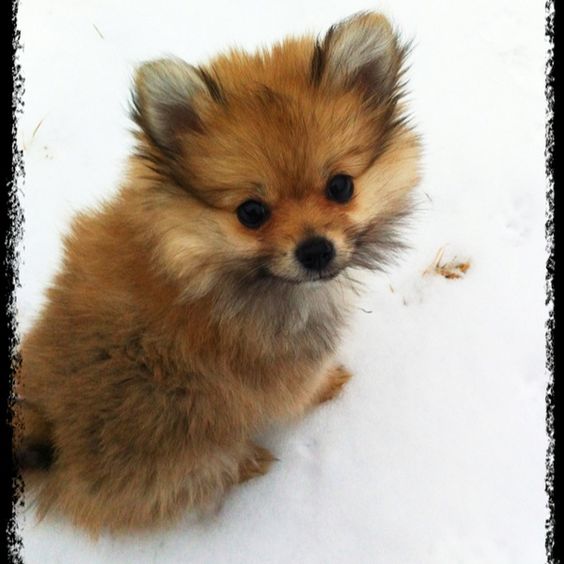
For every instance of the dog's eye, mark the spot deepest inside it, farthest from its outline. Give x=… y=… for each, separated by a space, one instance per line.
x=252 y=214
x=340 y=188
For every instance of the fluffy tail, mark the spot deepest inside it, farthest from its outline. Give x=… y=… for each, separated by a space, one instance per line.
x=34 y=448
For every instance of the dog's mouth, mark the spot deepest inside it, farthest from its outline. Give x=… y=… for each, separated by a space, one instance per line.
x=310 y=278
x=322 y=276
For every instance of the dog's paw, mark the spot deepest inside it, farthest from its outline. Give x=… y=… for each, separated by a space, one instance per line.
x=333 y=384
x=256 y=464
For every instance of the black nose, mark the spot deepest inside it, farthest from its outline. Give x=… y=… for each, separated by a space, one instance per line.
x=315 y=253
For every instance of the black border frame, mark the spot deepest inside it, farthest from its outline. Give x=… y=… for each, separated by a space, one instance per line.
x=13 y=175
x=554 y=534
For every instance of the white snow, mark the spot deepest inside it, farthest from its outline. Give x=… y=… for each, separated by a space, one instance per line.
x=435 y=453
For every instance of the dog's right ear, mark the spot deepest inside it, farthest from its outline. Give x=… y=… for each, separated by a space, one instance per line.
x=362 y=51
x=165 y=97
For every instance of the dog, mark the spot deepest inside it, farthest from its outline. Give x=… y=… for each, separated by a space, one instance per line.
x=205 y=300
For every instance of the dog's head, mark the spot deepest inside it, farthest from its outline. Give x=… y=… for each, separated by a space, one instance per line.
x=293 y=164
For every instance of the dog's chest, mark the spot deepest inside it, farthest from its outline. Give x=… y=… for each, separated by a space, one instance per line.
x=304 y=325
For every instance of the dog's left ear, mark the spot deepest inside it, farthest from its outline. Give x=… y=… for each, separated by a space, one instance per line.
x=166 y=94
x=362 y=51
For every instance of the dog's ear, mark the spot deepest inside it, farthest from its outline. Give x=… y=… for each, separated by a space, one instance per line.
x=362 y=51
x=165 y=98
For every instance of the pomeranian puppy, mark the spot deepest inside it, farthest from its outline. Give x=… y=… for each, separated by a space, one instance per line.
x=205 y=300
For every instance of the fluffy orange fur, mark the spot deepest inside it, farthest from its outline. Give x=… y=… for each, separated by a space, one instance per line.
x=173 y=334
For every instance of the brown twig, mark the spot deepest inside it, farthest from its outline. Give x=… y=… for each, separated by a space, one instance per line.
x=450 y=270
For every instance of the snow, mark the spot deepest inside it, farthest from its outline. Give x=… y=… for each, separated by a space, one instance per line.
x=435 y=453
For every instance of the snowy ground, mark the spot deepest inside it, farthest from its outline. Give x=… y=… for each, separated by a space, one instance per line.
x=435 y=452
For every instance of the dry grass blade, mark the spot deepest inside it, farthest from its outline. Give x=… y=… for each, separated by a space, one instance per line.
x=451 y=270
x=36 y=129
x=98 y=31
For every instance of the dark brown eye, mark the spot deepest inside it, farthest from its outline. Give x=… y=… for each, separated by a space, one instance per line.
x=340 y=188
x=252 y=214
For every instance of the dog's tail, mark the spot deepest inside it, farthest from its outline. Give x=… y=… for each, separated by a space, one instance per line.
x=34 y=450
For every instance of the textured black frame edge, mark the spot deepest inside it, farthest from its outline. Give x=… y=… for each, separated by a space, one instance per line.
x=553 y=532
x=12 y=173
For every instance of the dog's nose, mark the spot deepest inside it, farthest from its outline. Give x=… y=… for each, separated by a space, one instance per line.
x=315 y=253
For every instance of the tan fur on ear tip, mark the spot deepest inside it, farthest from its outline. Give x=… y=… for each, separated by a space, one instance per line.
x=367 y=19
x=167 y=76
